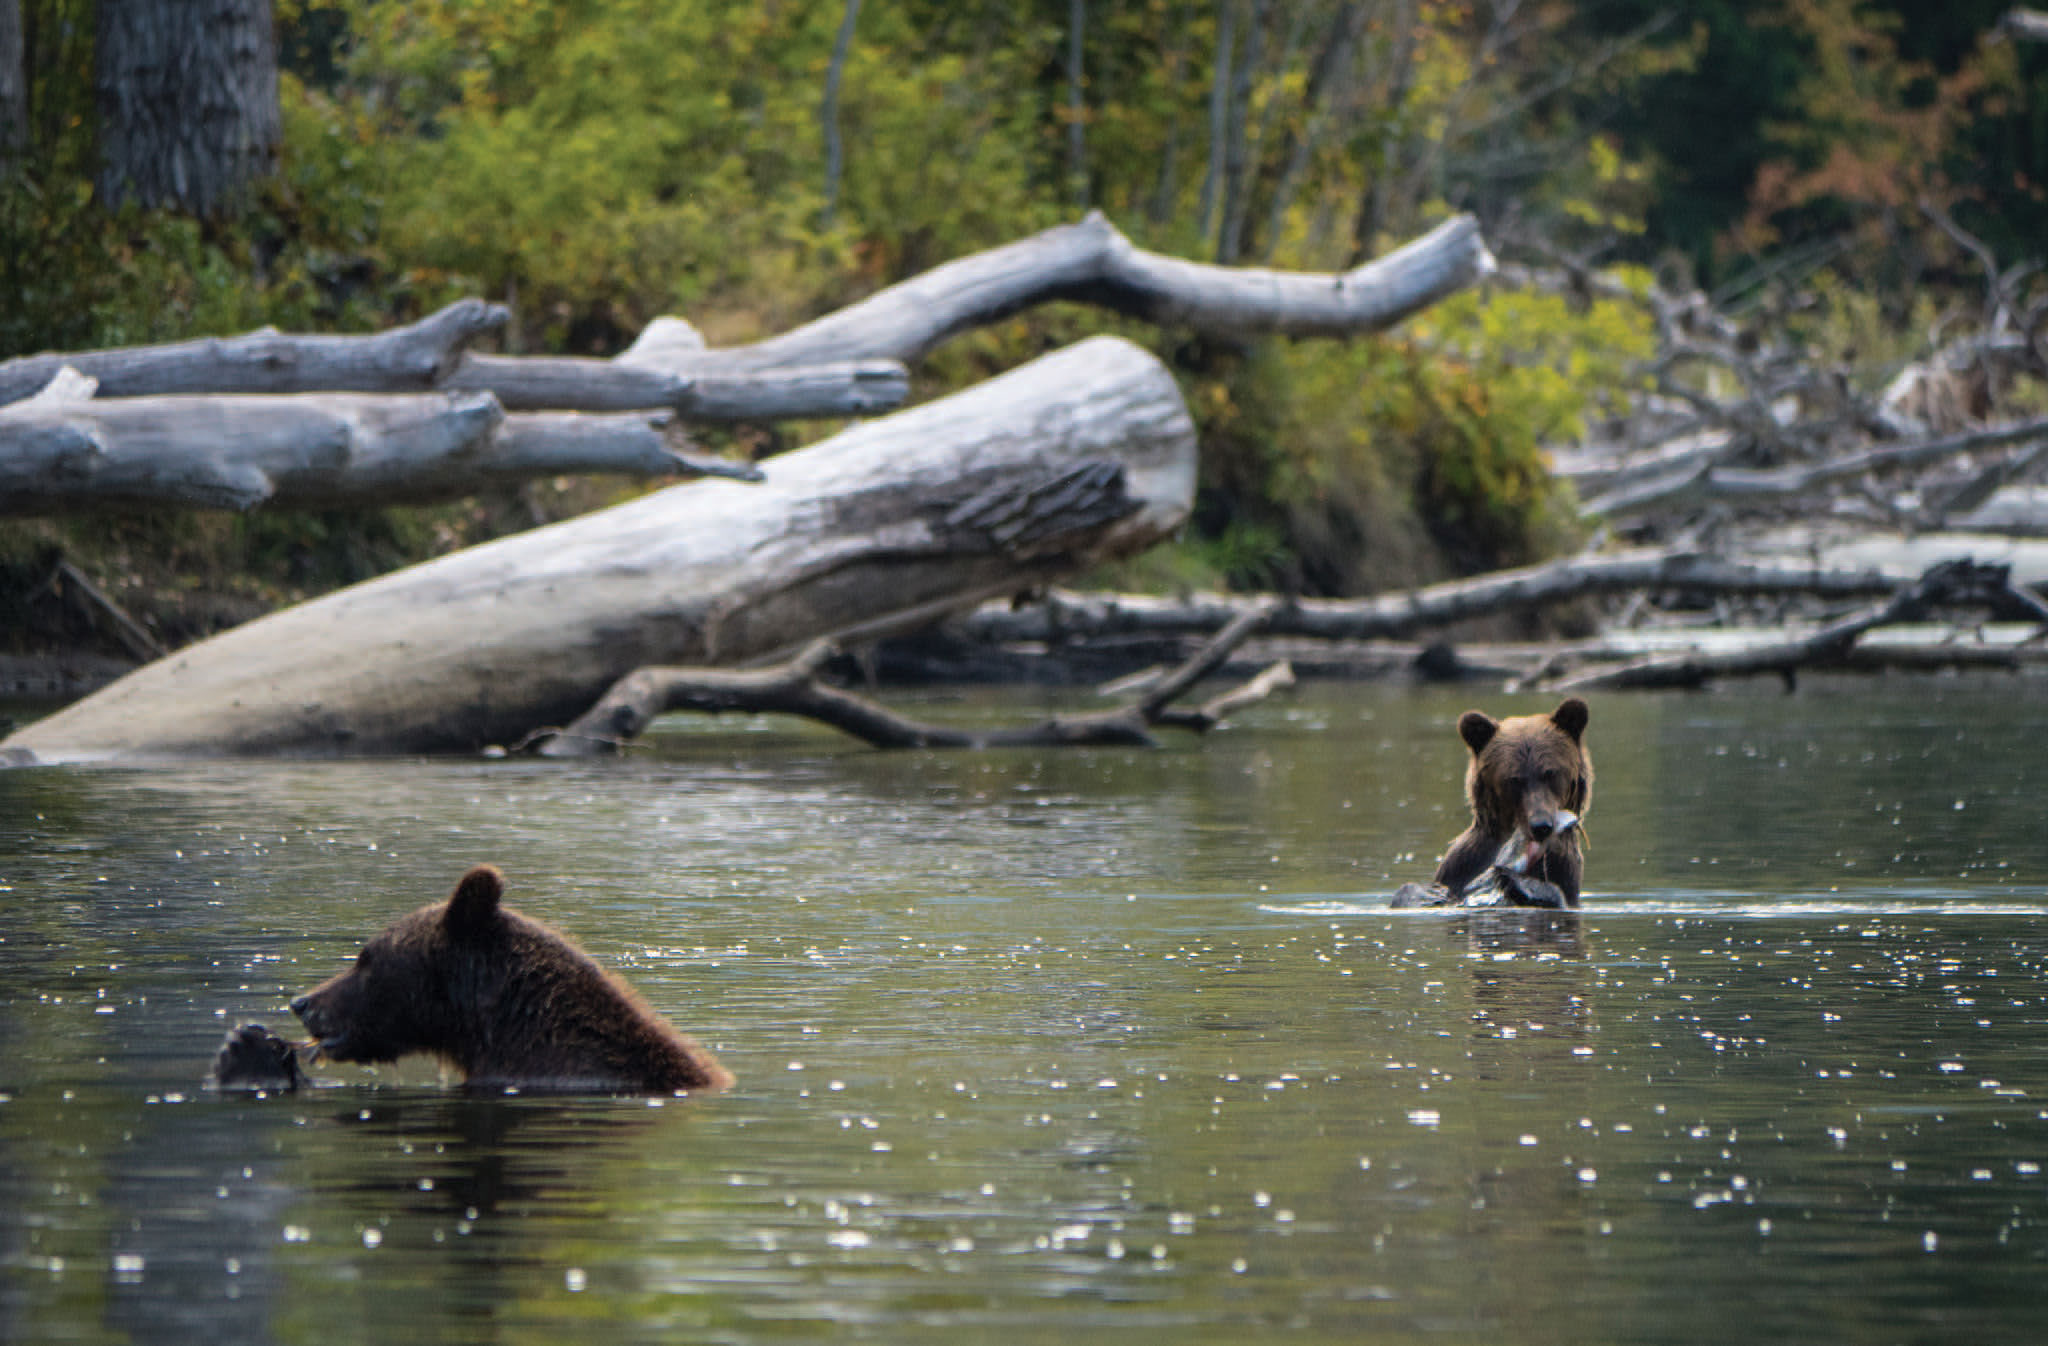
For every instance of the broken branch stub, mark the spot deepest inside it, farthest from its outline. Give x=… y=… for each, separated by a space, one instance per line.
x=882 y=528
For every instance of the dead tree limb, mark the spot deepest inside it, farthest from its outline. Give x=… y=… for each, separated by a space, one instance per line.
x=1950 y=584
x=795 y=688
x=65 y=450
x=1093 y=262
x=846 y=363
x=1071 y=616
x=413 y=358
x=1704 y=480
x=1084 y=454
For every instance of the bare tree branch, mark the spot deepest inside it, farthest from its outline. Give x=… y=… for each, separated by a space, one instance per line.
x=795 y=688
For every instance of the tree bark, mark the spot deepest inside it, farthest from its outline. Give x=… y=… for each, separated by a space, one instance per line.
x=63 y=451
x=1083 y=454
x=188 y=101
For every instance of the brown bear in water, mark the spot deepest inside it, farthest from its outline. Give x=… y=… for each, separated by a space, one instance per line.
x=1529 y=783
x=505 y=999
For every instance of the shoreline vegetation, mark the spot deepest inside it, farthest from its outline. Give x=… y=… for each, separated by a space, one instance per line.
x=1815 y=342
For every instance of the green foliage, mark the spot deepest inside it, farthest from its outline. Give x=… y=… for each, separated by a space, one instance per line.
x=1346 y=467
x=594 y=163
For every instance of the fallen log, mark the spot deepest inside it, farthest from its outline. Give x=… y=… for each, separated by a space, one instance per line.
x=1706 y=480
x=65 y=450
x=1082 y=454
x=1949 y=584
x=2016 y=511
x=1065 y=616
x=795 y=688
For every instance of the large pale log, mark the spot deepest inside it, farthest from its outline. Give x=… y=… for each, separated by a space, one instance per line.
x=64 y=450
x=1082 y=454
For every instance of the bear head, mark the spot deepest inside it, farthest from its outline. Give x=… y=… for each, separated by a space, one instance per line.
x=415 y=986
x=1530 y=775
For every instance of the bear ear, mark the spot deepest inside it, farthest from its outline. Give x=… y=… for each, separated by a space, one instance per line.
x=475 y=900
x=1571 y=716
x=1477 y=729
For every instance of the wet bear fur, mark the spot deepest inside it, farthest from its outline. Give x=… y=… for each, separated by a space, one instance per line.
x=255 y=1060
x=505 y=999
x=1525 y=771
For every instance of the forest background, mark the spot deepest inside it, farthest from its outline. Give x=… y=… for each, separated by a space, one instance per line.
x=595 y=163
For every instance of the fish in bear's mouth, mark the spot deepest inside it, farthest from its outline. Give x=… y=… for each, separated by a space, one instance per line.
x=1521 y=853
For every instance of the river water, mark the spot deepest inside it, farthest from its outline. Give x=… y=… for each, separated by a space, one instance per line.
x=1043 y=1045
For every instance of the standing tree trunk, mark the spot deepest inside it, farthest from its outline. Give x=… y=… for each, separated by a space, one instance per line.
x=188 y=101
x=1237 y=131
x=13 y=86
x=1077 y=135
x=828 y=110
x=1219 y=113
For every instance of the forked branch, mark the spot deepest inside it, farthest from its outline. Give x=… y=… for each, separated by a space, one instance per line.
x=795 y=688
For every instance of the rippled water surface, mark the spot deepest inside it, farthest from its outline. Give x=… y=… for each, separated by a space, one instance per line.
x=1046 y=1045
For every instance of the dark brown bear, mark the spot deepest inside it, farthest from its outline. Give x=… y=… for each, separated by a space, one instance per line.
x=1529 y=783
x=505 y=999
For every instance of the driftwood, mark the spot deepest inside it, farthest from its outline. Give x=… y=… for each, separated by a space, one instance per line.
x=1702 y=478
x=431 y=354
x=1065 y=616
x=847 y=363
x=1950 y=584
x=407 y=359
x=795 y=688
x=1083 y=454
x=1742 y=426
x=64 y=449
x=1092 y=262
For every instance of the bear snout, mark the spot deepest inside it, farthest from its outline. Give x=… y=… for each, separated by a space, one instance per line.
x=326 y=1033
